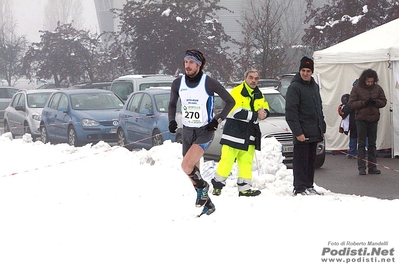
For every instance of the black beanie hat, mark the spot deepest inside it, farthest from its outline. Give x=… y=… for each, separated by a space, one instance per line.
x=306 y=62
x=345 y=98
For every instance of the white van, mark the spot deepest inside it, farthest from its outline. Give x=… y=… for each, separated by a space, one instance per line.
x=125 y=85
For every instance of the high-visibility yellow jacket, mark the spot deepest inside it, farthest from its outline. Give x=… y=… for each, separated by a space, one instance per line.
x=242 y=126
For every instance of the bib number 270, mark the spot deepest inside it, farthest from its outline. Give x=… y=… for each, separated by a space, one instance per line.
x=192 y=115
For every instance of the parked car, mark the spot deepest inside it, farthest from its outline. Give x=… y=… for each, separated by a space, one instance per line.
x=285 y=81
x=51 y=86
x=125 y=85
x=261 y=83
x=6 y=94
x=96 y=85
x=273 y=126
x=81 y=116
x=143 y=122
x=24 y=113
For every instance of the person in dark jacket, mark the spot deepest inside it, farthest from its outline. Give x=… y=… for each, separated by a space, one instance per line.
x=304 y=115
x=367 y=97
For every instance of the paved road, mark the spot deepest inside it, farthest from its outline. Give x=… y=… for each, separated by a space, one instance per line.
x=340 y=175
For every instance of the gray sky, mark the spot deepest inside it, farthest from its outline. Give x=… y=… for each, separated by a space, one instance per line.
x=29 y=15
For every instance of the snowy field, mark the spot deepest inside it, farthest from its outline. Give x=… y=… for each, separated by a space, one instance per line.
x=102 y=205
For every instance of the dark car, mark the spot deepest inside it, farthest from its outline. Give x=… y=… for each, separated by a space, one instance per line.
x=261 y=83
x=81 y=116
x=285 y=81
x=97 y=85
x=143 y=122
x=51 y=86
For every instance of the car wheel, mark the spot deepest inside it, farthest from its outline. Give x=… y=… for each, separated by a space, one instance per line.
x=157 y=138
x=72 y=139
x=121 y=138
x=320 y=160
x=43 y=134
x=26 y=128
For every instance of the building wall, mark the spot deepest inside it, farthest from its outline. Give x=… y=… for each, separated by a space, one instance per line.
x=107 y=22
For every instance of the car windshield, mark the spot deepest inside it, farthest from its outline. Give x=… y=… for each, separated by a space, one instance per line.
x=162 y=102
x=285 y=83
x=268 y=83
x=38 y=100
x=276 y=104
x=7 y=93
x=96 y=101
x=122 y=89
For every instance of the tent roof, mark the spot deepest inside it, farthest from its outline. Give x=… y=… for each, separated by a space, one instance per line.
x=378 y=44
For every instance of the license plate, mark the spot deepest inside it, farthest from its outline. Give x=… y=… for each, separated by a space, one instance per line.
x=113 y=130
x=288 y=148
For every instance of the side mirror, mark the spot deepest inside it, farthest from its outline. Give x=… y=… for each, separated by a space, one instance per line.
x=63 y=109
x=20 y=108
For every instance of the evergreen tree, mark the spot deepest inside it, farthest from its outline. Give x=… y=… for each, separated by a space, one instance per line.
x=158 y=33
x=66 y=55
x=342 y=19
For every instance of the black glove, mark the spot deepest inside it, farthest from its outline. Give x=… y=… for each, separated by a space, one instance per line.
x=212 y=126
x=370 y=101
x=172 y=126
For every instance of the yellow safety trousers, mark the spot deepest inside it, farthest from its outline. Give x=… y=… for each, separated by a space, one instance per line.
x=243 y=158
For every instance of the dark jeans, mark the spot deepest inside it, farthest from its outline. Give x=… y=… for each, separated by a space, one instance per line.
x=303 y=164
x=366 y=131
x=352 y=147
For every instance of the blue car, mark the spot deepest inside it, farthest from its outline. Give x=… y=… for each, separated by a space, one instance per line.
x=143 y=122
x=80 y=116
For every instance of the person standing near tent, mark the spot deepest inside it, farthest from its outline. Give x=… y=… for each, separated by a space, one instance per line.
x=348 y=125
x=304 y=115
x=367 y=97
x=196 y=91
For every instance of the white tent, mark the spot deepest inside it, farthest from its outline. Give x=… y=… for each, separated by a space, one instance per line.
x=338 y=66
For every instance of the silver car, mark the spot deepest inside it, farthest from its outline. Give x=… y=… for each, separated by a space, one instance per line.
x=273 y=126
x=24 y=112
x=6 y=94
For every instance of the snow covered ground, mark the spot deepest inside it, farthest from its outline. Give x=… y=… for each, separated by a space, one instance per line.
x=102 y=205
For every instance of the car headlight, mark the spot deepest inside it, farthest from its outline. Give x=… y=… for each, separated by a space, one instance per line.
x=90 y=122
x=37 y=117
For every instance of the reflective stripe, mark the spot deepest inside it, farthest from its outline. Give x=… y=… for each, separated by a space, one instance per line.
x=233 y=139
x=220 y=179
x=249 y=115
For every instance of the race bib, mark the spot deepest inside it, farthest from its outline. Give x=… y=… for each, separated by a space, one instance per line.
x=193 y=114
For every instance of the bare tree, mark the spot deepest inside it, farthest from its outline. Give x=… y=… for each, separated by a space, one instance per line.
x=63 y=11
x=262 y=47
x=7 y=22
x=12 y=47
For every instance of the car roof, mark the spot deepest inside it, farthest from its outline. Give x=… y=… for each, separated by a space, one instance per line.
x=87 y=91
x=129 y=77
x=162 y=88
x=8 y=87
x=269 y=90
x=38 y=91
x=155 y=90
x=91 y=85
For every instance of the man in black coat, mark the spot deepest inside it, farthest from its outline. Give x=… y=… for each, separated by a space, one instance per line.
x=304 y=115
